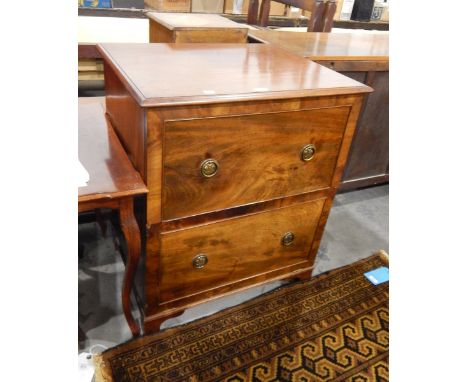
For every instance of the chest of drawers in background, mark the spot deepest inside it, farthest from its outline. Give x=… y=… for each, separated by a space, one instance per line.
x=242 y=147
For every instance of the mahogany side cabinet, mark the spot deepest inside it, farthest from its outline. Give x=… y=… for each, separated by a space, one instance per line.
x=242 y=147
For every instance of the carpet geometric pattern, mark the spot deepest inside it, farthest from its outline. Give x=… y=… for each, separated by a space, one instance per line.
x=332 y=328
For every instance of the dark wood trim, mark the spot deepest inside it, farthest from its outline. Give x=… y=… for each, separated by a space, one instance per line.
x=351 y=24
x=364 y=182
x=354 y=65
x=131 y=13
x=252 y=15
x=370 y=78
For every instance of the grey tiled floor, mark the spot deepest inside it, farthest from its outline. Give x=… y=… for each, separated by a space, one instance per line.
x=357 y=227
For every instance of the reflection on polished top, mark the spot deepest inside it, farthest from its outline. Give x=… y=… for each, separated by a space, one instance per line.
x=193 y=20
x=163 y=74
x=111 y=175
x=328 y=46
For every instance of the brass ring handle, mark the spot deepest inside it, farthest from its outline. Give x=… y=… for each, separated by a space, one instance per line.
x=288 y=238
x=308 y=152
x=199 y=261
x=209 y=168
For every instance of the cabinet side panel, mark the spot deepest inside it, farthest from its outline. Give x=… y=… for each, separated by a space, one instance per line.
x=127 y=118
x=347 y=139
x=340 y=165
x=153 y=215
x=369 y=153
x=154 y=166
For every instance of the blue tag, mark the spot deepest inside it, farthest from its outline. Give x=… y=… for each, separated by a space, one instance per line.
x=378 y=276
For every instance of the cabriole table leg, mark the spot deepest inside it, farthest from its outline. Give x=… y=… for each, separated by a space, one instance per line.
x=131 y=232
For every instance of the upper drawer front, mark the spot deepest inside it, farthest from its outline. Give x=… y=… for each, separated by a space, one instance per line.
x=235 y=249
x=258 y=157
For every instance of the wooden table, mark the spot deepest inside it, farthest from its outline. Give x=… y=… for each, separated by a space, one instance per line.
x=195 y=28
x=363 y=57
x=113 y=184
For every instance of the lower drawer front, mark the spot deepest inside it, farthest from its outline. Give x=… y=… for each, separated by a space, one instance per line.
x=202 y=258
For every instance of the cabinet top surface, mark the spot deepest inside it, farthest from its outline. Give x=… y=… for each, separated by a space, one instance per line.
x=111 y=175
x=171 y=74
x=193 y=20
x=328 y=46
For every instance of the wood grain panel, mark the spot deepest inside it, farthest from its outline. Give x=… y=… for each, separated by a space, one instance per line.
x=346 y=142
x=258 y=156
x=257 y=107
x=154 y=166
x=233 y=252
x=174 y=225
x=127 y=118
x=157 y=116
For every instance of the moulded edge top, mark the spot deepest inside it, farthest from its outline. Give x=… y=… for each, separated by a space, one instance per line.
x=162 y=101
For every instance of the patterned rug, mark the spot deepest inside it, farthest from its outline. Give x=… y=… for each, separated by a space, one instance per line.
x=332 y=328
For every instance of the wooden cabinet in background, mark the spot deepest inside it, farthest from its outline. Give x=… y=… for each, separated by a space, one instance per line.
x=368 y=162
x=169 y=5
x=242 y=147
x=194 y=28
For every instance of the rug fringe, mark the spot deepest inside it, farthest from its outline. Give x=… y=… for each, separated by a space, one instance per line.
x=383 y=255
x=101 y=371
